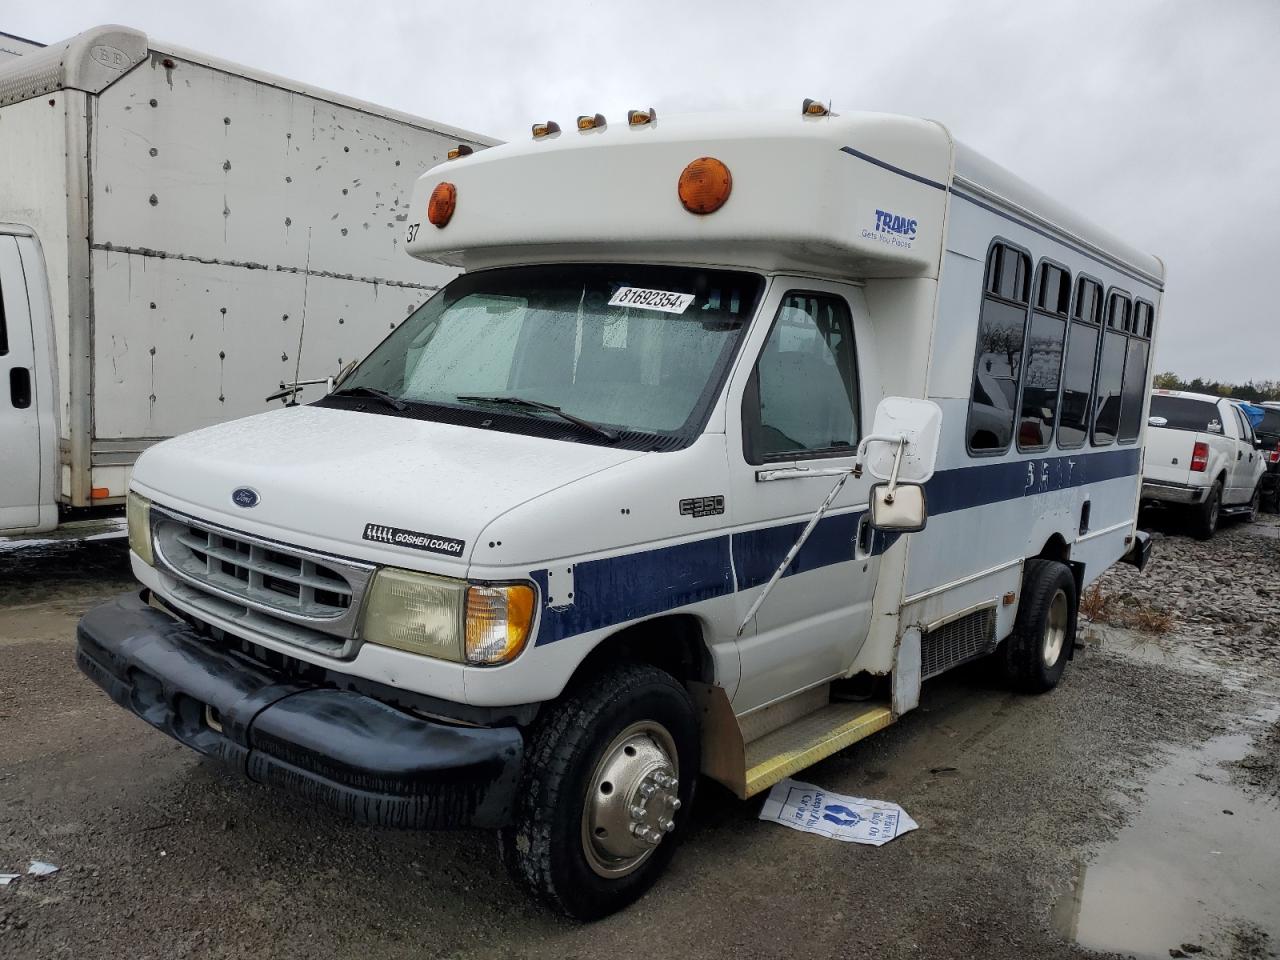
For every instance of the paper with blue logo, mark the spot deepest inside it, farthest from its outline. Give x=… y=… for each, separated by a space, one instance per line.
x=810 y=809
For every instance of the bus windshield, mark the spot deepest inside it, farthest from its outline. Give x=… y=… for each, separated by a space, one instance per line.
x=630 y=348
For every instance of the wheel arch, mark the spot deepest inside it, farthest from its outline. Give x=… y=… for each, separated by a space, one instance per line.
x=674 y=642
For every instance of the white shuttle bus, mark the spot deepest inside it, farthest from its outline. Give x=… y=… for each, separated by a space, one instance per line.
x=733 y=432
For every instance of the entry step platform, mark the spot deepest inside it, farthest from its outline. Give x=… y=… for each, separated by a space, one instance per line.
x=816 y=735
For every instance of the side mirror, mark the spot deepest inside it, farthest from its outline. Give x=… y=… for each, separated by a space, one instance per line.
x=1157 y=421
x=344 y=373
x=898 y=509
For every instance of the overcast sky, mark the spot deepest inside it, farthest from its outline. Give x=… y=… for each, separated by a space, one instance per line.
x=1157 y=119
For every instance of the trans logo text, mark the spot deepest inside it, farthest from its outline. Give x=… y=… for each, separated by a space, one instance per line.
x=893 y=229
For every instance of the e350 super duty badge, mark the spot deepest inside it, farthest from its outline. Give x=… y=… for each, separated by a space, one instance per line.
x=412 y=538
x=702 y=506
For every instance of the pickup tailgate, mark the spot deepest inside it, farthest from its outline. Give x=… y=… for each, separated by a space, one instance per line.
x=1169 y=455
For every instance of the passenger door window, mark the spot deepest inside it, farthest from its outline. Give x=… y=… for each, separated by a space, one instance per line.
x=802 y=400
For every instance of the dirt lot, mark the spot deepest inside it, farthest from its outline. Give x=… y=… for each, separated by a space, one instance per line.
x=1134 y=810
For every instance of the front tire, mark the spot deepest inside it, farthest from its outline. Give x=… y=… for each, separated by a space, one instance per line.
x=607 y=787
x=1255 y=505
x=1034 y=655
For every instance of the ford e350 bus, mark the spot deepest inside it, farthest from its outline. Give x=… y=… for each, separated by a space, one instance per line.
x=733 y=432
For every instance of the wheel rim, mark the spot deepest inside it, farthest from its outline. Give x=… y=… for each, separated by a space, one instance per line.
x=1055 y=628
x=631 y=800
x=1254 y=505
x=1213 y=510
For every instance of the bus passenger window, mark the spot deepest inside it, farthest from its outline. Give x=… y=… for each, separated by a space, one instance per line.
x=1110 y=380
x=1077 y=372
x=1045 y=341
x=1001 y=332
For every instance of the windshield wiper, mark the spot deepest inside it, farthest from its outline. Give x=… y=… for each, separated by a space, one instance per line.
x=373 y=392
x=610 y=435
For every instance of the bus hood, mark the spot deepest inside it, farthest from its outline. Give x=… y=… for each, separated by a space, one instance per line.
x=388 y=489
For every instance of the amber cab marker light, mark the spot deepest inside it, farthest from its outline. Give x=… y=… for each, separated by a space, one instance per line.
x=640 y=118
x=704 y=185
x=591 y=123
x=443 y=200
x=100 y=493
x=814 y=108
x=541 y=130
x=461 y=150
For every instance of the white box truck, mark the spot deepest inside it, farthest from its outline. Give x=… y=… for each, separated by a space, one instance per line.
x=178 y=236
x=699 y=469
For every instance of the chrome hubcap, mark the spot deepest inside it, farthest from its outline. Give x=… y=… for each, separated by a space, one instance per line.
x=1055 y=631
x=632 y=799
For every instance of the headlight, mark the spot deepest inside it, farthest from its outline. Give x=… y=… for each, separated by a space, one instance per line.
x=138 y=513
x=447 y=619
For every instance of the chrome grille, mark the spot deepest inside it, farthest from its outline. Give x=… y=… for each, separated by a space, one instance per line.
x=288 y=593
x=956 y=641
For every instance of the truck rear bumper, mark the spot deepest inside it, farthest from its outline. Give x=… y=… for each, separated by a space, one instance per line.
x=342 y=749
x=1172 y=492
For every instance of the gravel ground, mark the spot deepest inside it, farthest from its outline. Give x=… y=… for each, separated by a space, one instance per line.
x=1223 y=594
x=164 y=855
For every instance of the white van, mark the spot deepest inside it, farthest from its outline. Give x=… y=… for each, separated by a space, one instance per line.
x=179 y=238
x=695 y=470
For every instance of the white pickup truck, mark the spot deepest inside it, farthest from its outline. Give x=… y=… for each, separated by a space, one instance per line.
x=1202 y=453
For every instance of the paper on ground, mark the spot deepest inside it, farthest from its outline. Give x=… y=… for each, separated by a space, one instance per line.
x=7 y=878
x=39 y=868
x=810 y=809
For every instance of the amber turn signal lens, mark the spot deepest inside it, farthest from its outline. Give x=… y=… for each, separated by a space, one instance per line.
x=498 y=623
x=704 y=185
x=443 y=200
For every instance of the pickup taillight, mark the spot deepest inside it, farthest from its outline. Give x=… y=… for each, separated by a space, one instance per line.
x=1274 y=456
x=1200 y=458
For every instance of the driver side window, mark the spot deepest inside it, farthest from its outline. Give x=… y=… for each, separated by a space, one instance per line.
x=802 y=400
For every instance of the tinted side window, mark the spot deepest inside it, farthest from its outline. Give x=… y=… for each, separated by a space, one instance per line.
x=1134 y=389
x=1045 y=341
x=1269 y=428
x=1077 y=372
x=803 y=394
x=1001 y=330
x=1110 y=375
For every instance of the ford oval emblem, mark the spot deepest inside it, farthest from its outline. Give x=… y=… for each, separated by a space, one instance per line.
x=245 y=497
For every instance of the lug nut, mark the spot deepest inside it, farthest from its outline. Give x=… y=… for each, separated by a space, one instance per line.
x=647 y=789
x=666 y=825
x=637 y=812
x=674 y=803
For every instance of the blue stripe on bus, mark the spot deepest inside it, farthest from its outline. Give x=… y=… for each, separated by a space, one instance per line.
x=634 y=586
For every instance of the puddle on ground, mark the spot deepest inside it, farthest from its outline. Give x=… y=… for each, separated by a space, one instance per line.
x=1184 y=871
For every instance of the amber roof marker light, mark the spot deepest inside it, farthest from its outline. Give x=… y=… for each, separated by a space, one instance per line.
x=461 y=150
x=444 y=198
x=642 y=118
x=815 y=108
x=596 y=122
x=541 y=130
x=704 y=185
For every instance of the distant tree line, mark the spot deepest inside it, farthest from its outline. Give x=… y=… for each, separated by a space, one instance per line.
x=1254 y=390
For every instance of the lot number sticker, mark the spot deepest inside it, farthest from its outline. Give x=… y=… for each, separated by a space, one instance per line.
x=663 y=300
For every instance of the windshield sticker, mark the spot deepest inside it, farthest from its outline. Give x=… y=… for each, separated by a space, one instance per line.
x=412 y=538
x=662 y=300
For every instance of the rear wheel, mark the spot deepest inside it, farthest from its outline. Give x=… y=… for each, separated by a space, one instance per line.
x=1033 y=657
x=1205 y=523
x=1255 y=505
x=608 y=782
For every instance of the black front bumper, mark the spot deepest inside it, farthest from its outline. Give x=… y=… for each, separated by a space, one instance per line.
x=351 y=752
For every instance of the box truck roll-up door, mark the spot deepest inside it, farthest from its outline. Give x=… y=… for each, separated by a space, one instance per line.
x=19 y=424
